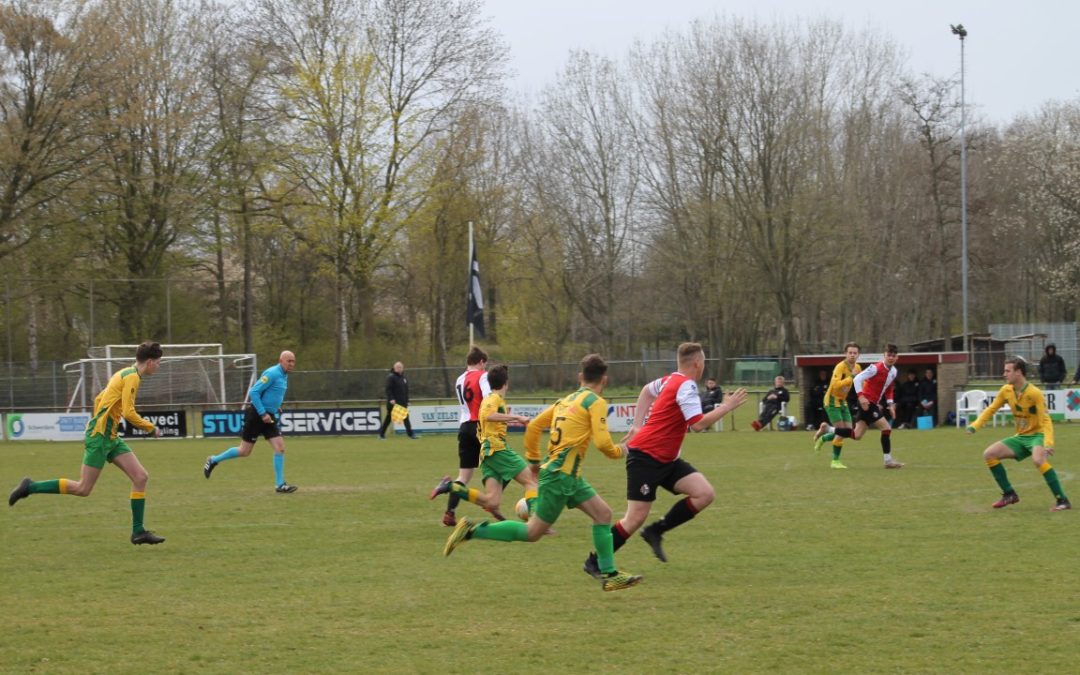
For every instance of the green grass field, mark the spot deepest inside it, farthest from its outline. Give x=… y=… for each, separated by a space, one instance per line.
x=795 y=568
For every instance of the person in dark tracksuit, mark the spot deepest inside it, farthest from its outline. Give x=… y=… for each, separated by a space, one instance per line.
x=397 y=393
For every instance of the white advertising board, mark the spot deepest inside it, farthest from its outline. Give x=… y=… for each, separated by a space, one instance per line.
x=46 y=426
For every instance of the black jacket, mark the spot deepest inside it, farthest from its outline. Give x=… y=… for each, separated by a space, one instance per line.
x=397 y=389
x=1052 y=367
x=710 y=398
x=782 y=396
x=928 y=390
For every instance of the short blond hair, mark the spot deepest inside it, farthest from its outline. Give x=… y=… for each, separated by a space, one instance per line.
x=688 y=351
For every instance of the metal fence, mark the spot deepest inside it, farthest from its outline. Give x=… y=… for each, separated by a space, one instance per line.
x=49 y=388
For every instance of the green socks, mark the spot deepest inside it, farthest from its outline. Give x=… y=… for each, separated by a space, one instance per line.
x=138 y=508
x=605 y=547
x=998 y=471
x=51 y=487
x=504 y=530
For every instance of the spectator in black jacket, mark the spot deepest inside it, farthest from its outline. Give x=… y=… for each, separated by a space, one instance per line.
x=1052 y=371
x=907 y=400
x=771 y=404
x=928 y=396
x=711 y=396
x=397 y=393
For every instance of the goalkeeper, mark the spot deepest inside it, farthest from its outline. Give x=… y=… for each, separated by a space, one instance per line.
x=260 y=418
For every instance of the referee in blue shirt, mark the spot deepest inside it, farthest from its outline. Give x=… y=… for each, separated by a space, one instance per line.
x=261 y=418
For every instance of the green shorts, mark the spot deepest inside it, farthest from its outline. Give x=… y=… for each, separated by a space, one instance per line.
x=838 y=413
x=100 y=449
x=559 y=491
x=502 y=465
x=1022 y=446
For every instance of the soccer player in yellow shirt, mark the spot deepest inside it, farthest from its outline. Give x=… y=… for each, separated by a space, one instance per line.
x=574 y=420
x=836 y=406
x=498 y=463
x=1034 y=434
x=104 y=445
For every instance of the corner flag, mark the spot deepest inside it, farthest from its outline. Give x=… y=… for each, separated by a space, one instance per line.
x=474 y=313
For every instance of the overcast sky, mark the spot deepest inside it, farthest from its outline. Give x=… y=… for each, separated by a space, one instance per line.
x=1017 y=54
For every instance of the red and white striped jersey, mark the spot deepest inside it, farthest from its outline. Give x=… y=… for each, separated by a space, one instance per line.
x=676 y=407
x=875 y=381
x=471 y=388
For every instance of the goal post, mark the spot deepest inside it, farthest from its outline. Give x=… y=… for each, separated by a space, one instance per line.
x=190 y=374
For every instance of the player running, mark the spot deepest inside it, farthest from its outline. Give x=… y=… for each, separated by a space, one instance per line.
x=654 y=448
x=871 y=385
x=104 y=445
x=498 y=463
x=574 y=420
x=836 y=405
x=471 y=388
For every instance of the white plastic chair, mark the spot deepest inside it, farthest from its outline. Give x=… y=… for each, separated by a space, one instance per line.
x=972 y=401
x=1003 y=412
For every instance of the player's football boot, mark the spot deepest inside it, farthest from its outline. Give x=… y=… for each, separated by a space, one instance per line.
x=1062 y=505
x=894 y=465
x=285 y=489
x=146 y=537
x=21 y=491
x=442 y=488
x=592 y=567
x=1006 y=499
x=208 y=468
x=616 y=581
x=461 y=533
x=449 y=519
x=837 y=464
x=653 y=539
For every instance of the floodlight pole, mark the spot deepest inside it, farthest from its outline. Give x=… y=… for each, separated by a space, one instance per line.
x=961 y=32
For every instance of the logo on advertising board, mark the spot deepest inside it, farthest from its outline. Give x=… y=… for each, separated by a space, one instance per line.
x=46 y=426
x=306 y=422
x=172 y=423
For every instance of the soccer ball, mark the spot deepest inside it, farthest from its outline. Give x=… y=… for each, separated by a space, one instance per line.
x=522 y=508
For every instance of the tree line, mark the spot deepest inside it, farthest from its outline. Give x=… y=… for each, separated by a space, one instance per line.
x=302 y=173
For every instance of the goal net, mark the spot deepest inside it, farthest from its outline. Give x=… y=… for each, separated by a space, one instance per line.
x=190 y=374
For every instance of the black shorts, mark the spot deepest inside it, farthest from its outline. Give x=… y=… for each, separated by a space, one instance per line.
x=255 y=427
x=871 y=415
x=468 y=446
x=645 y=473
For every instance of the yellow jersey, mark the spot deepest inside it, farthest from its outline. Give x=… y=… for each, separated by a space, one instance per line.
x=116 y=399
x=843 y=378
x=574 y=420
x=1028 y=409
x=492 y=435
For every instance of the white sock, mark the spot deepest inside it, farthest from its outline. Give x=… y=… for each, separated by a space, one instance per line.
x=888 y=457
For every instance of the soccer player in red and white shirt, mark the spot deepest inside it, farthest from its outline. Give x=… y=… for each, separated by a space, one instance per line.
x=471 y=388
x=654 y=446
x=871 y=385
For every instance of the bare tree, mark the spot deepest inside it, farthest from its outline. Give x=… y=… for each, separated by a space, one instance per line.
x=595 y=176
x=46 y=58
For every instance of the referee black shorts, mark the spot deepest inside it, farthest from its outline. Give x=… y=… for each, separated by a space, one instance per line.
x=255 y=427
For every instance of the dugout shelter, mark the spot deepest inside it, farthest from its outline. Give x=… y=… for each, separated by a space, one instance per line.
x=951 y=369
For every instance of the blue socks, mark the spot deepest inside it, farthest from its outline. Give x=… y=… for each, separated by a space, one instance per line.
x=279 y=469
x=228 y=454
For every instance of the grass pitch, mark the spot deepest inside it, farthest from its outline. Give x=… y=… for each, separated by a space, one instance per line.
x=795 y=568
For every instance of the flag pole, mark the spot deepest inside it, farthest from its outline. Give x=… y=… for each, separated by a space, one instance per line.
x=469 y=276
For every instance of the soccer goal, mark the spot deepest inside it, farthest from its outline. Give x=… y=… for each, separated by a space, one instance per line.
x=190 y=374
